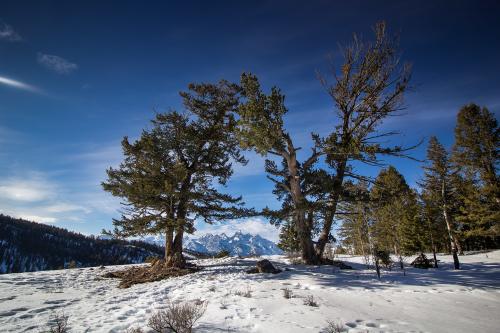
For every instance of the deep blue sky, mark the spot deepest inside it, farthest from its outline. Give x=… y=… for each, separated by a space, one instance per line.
x=75 y=77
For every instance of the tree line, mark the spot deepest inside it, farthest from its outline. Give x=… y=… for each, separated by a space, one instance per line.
x=173 y=174
x=455 y=208
x=28 y=246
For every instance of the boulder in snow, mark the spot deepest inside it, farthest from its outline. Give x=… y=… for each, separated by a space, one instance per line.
x=264 y=266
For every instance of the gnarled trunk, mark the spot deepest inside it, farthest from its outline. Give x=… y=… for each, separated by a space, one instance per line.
x=169 y=238
x=304 y=228
x=175 y=258
x=306 y=244
x=334 y=197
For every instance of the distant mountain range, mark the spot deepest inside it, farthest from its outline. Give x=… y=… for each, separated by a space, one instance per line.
x=239 y=244
x=28 y=246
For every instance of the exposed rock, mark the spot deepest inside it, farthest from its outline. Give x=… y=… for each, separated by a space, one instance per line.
x=422 y=262
x=264 y=266
x=341 y=264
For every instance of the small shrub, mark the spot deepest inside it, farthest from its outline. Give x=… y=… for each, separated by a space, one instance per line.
x=72 y=264
x=384 y=257
x=177 y=318
x=134 y=330
x=212 y=288
x=309 y=300
x=334 y=327
x=247 y=293
x=224 y=303
x=58 y=323
x=287 y=293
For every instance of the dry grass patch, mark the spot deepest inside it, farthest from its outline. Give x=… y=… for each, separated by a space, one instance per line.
x=155 y=272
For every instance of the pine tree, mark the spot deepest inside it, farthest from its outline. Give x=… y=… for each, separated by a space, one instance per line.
x=396 y=226
x=167 y=179
x=432 y=218
x=355 y=220
x=476 y=156
x=438 y=188
x=261 y=128
x=369 y=88
x=288 y=239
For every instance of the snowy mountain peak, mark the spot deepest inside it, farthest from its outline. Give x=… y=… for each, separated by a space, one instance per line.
x=238 y=244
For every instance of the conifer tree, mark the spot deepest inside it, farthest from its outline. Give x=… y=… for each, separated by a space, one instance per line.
x=432 y=218
x=355 y=220
x=288 y=240
x=369 y=88
x=261 y=128
x=396 y=227
x=476 y=156
x=438 y=188
x=168 y=175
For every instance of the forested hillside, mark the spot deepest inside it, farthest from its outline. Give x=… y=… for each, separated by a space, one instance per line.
x=28 y=246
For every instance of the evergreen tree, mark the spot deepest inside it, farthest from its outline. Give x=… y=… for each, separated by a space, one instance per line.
x=288 y=239
x=432 y=218
x=355 y=220
x=476 y=156
x=369 y=88
x=396 y=226
x=438 y=189
x=167 y=179
x=261 y=128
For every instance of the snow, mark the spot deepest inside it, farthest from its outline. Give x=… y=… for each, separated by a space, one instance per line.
x=238 y=244
x=441 y=300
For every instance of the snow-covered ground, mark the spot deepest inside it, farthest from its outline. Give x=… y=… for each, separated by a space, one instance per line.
x=431 y=300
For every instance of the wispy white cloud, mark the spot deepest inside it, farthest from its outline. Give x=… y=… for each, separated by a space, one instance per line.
x=26 y=190
x=56 y=63
x=63 y=207
x=18 y=85
x=8 y=33
x=255 y=166
x=253 y=226
x=36 y=218
x=37 y=198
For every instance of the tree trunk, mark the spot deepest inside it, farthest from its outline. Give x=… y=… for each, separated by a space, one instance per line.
x=304 y=233
x=325 y=233
x=434 y=254
x=169 y=237
x=377 y=266
x=334 y=197
x=176 y=259
x=303 y=227
x=457 y=244
x=454 y=249
x=432 y=244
